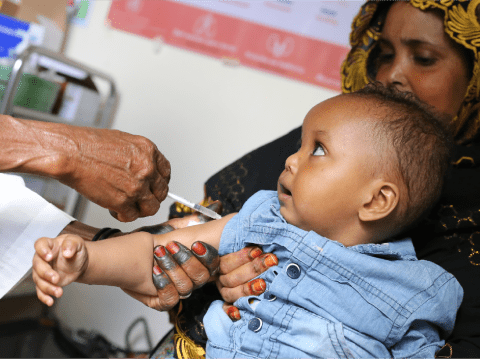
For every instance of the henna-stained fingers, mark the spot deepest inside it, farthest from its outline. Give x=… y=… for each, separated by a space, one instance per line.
x=167 y=293
x=207 y=255
x=247 y=271
x=197 y=272
x=236 y=284
x=232 y=261
x=179 y=252
x=232 y=311
x=179 y=278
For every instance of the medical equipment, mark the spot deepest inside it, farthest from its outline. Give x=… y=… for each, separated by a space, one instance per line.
x=199 y=208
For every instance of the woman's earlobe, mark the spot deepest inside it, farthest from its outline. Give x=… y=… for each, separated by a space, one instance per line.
x=382 y=201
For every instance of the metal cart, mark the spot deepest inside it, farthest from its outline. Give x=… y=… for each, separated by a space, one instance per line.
x=69 y=93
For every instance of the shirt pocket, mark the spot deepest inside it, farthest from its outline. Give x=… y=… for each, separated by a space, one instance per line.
x=310 y=334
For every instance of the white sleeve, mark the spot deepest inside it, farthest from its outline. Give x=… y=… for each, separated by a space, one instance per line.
x=24 y=217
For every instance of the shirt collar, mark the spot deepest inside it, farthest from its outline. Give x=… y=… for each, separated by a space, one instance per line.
x=394 y=250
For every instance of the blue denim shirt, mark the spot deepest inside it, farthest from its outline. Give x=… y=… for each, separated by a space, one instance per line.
x=325 y=300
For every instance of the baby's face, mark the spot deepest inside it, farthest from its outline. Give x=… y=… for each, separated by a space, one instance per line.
x=325 y=182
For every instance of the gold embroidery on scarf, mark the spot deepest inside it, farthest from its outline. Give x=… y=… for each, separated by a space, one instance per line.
x=463 y=27
x=186 y=210
x=186 y=347
x=463 y=160
x=460 y=24
x=474 y=252
x=445 y=357
x=360 y=24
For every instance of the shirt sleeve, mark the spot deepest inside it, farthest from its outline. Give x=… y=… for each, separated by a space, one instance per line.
x=430 y=323
x=24 y=217
x=234 y=233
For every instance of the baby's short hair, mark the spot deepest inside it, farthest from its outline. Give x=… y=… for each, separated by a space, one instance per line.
x=421 y=143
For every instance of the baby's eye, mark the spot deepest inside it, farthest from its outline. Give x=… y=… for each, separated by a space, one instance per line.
x=319 y=150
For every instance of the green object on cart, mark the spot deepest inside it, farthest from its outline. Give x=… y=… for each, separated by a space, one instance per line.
x=36 y=93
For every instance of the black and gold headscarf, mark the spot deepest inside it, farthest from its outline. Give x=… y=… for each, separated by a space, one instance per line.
x=461 y=24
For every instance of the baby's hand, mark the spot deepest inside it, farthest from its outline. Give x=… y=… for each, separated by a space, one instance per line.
x=57 y=262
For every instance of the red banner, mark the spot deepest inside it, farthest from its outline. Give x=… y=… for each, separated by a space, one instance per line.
x=249 y=43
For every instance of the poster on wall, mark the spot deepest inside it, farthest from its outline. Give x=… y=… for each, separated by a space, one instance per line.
x=303 y=40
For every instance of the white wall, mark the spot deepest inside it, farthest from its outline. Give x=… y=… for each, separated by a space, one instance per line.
x=200 y=113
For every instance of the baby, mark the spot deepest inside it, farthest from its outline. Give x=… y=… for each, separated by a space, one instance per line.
x=371 y=164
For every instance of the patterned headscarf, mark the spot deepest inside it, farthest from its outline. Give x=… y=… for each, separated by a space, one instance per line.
x=460 y=23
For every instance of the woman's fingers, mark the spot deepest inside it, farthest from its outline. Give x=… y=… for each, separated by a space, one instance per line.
x=172 y=268
x=207 y=255
x=167 y=293
x=247 y=271
x=232 y=311
x=165 y=300
x=194 y=269
x=232 y=261
x=238 y=282
x=254 y=287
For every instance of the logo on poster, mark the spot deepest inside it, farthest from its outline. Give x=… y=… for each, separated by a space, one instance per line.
x=205 y=25
x=280 y=48
x=134 y=5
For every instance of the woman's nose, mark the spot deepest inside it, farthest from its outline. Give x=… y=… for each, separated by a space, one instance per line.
x=394 y=76
x=291 y=163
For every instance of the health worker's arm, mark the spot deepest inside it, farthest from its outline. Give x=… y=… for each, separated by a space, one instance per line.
x=122 y=172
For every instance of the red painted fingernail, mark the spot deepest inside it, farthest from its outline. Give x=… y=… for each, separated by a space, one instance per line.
x=173 y=248
x=160 y=251
x=157 y=270
x=256 y=253
x=199 y=249
x=270 y=260
x=257 y=286
x=233 y=313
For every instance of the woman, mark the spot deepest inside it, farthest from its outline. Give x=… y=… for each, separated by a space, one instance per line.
x=431 y=49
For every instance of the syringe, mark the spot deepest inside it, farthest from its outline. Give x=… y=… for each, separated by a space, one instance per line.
x=196 y=207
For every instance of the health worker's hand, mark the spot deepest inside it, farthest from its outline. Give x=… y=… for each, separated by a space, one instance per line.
x=122 y=172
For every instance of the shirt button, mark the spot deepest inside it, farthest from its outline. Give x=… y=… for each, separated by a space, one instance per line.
x=293 y=271
x=255 y=324
x=269 y=296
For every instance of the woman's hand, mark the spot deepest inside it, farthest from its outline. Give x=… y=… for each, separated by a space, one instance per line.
x=238 y=269
x=177 y=272
x=236 y=273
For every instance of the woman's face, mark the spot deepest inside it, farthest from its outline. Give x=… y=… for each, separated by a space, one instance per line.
x=417 y=56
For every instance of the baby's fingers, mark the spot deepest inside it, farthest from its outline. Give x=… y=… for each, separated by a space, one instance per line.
x=70 y=246
x=45 y=248
x=45 y=289
x=43 y=270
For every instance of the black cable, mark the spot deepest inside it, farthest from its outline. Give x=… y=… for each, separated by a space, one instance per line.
x=147 y=334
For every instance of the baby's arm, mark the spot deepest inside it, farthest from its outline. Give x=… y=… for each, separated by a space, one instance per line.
x=124 y=261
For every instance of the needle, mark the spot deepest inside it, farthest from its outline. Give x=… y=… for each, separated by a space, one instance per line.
x=199 y=208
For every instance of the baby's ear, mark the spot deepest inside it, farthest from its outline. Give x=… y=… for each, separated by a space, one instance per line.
x=381 y=200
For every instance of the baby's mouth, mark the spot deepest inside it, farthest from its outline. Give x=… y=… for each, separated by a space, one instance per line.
x=285 y=191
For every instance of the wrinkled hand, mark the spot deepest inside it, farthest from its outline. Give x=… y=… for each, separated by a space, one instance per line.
x=122 y=172
x=57 y=262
